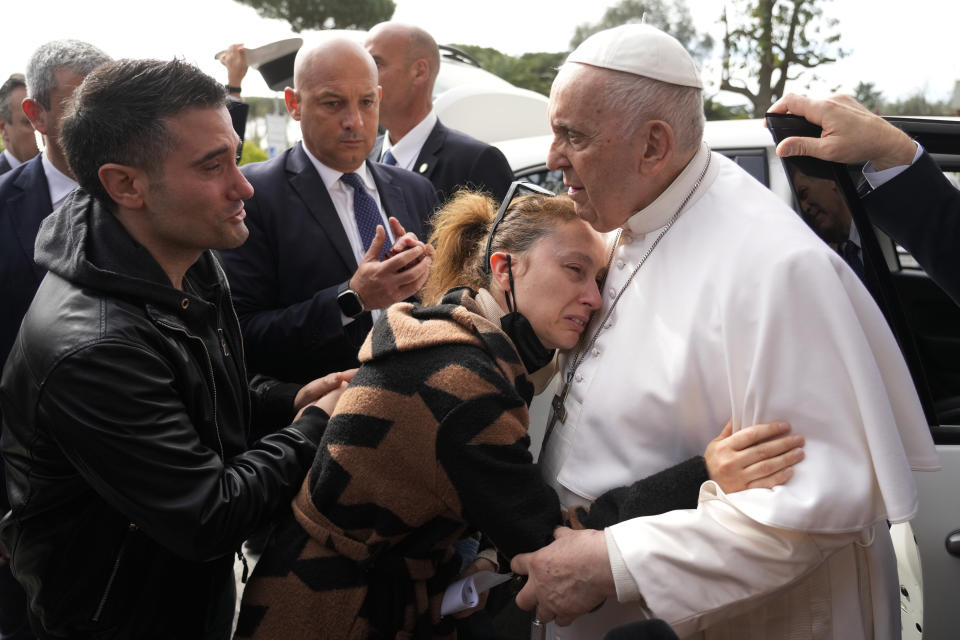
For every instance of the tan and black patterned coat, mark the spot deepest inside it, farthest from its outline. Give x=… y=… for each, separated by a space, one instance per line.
x=428 y=443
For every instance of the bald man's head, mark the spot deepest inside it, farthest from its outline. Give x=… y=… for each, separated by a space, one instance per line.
x=408 y=60
x=336 y=99
x=326 y=58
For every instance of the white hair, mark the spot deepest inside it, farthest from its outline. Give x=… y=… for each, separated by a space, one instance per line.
x=641 y=99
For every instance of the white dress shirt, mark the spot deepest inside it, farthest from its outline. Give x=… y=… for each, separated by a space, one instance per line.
x=59 y=183
x=407 y=149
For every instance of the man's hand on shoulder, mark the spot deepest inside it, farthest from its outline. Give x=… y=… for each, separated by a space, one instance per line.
x=381 y=283
x=568 y=578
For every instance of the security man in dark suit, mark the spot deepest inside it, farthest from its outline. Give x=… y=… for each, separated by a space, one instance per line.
x=16 y=132
x=28 y=194
x=325 y=224
x=408 y=60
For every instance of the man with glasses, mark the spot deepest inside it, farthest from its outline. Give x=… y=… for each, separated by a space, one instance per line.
x=719 y=301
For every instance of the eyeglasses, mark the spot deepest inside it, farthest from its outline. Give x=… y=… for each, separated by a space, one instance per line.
x=515 y=191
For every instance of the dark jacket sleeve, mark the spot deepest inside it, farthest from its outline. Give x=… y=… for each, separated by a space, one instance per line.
x=920 y=210
x=271 y=403
x=675 y=488
x=492 y=172
x=139 y=450
x=284 y=284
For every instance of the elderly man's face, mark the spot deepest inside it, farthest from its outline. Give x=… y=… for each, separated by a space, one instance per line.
x=599 y=163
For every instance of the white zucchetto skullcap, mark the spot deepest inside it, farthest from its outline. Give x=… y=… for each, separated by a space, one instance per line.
x=642 y=50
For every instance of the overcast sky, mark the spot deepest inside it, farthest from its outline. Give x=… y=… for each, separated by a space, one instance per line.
x=903 y=47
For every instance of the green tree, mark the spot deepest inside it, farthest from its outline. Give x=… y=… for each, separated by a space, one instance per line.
x=767 y=40
x=869 y=96
x=672 y=17
x=325 y=14
x=917 y=105
x=534 y=71
x=714 y=110
x=251 y=153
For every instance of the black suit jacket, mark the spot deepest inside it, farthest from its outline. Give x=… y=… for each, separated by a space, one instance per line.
x=451 y=159
x=920 y=210
x=4 y=164
x=285 y=276
x=24 y=203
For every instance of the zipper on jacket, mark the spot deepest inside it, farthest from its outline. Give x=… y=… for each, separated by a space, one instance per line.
x=242 y=360
x=223 y=342
x=113 y=572
x=213 y=380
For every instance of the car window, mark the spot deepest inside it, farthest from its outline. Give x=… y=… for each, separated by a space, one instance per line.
x=552 y=180
x=753 y=161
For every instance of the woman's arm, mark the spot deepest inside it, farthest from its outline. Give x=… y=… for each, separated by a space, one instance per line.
x=759 y=456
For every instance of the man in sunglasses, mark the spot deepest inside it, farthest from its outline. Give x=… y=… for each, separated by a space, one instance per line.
x=719 y=301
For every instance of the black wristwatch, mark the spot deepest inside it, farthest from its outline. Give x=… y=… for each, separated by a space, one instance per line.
x=349 y=300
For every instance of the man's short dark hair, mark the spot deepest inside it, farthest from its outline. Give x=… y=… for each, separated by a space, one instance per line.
x=119 y=115
x=15 y=81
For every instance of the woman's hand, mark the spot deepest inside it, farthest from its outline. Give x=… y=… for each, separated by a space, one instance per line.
x=759 y=456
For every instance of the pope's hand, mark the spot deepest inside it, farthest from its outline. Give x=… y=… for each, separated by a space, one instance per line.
x=568 y=578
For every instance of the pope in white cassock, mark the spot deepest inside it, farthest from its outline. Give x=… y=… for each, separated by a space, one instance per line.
x=719 y=301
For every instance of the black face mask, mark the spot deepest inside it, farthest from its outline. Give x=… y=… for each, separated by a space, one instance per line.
x=534 y=355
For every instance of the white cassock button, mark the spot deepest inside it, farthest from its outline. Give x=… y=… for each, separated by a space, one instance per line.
x=621 y=264
x=578 y=378
x=612 y=293
x=596 y=353
x=609 y=325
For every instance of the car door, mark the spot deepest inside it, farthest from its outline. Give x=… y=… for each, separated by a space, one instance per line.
x=926 y=323
x=932 y=320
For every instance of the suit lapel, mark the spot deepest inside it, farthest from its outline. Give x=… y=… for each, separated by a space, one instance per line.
x=391 y=197
x=430 y=151
x=309 y=186
x=32 y=205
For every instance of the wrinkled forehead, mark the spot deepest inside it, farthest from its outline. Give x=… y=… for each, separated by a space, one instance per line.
x=578 y=86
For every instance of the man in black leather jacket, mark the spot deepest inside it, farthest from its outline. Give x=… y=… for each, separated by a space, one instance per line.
x=128 y=417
